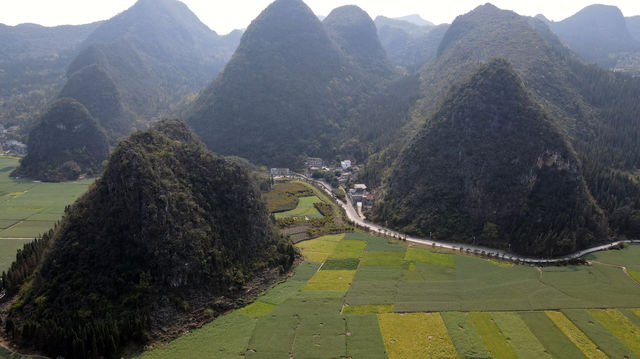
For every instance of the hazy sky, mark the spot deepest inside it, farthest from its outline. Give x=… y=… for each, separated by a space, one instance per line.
x=226 y=15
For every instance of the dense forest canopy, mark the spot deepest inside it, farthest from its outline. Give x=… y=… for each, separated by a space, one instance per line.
x=290 y=89
x=66 y=142
x=168 y=226
x=491 y=168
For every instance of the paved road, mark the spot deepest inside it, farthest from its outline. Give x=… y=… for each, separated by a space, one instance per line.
x=352 y=214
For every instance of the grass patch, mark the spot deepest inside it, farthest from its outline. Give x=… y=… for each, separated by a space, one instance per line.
x=320 y=337
x=620 y=326
x=273 y=336
x=464 y=335
x=522 y=340
x=226 y=337
x=424 y=256
x=338 y=280
x=382 y=259
x=257 y=309
x=317 y=250
x=374 y=285
x=358 y=236
x=603 y=338
x=283 y=291
x=284 y=196
x=379 y=244
x=477 y=285
x=428 y=272
x=341 y=264
x=8 y=250
x=367 y=309
x=349 y=249
x=415 y=335
x=627 y=257
x=581 y=340
x=551 y=337
x=634 y=274
x=305 y=208
x=492 y=337
x=363 y=337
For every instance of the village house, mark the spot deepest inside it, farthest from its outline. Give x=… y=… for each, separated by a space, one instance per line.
x=274 y=172
x=359 y=193
x=312 y=162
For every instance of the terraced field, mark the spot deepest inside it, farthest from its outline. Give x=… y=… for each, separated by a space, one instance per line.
x=28 y=209
x=361 y=296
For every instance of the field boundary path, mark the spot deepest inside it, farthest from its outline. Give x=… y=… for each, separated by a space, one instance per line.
x=353 y=216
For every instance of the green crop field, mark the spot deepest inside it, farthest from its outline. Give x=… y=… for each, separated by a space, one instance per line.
x=305 y=208
x=28 y=209
x=362 y=296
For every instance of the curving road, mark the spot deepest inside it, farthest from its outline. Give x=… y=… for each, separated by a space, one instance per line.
x=353 y=216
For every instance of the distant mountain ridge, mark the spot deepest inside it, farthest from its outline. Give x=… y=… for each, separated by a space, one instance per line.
x=408 y=44
x=33 y=61
x=416 y=20
x=156 y=63
x=598 y=33
x=134 y=68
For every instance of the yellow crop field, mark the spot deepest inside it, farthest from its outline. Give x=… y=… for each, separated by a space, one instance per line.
x=495 y=342
x=416 y=335
x=330 y=280
x=574 y=334
x=257 y=309
x=620 y=326
x=317 y=250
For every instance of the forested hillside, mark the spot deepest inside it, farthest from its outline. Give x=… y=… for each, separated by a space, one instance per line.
x=65 y=143
x=491 y=168
x=169 y=228
x=593 y=108
x=290 y=89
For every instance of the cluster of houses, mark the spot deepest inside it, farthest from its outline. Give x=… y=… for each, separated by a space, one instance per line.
x=358 y=194
x=8 y=142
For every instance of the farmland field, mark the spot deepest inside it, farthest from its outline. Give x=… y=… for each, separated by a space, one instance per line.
x=362 y=296
x=28 y=209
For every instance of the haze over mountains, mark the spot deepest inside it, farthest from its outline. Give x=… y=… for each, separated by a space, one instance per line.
x=494 y=130
x=598 y=33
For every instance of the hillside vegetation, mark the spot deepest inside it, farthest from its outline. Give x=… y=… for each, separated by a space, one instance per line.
x=593 y=110
x=490 y=167
x=290 y=89
x=66 y=142
x=169 y=228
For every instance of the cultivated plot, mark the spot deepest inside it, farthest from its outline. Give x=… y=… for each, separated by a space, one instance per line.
x=370 y=297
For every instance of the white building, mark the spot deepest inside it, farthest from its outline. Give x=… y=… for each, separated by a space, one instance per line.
x=345 y=164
